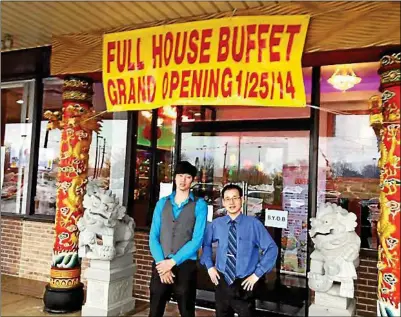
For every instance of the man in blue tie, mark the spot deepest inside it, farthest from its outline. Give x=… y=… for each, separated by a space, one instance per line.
x=238 y=265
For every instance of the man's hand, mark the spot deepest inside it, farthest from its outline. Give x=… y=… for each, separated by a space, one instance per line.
x=214 y=275
x=250 y=282
x=167 y=278
x=164 y=266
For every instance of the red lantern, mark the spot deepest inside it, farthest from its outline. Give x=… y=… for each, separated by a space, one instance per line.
x=147 y=132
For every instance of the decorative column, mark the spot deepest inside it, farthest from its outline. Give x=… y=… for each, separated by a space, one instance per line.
x=65 y=293
x=385 y=119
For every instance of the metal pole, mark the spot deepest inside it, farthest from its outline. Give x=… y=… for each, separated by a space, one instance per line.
x=130 y=162
x=313 y=168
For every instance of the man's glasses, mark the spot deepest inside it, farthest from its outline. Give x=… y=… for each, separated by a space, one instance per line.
x=227 y=200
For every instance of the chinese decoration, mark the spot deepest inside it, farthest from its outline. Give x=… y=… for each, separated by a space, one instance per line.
x=77 y=123
x=385 y=120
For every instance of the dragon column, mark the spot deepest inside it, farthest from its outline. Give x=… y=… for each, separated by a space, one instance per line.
x=65 y=293
x=385 y=119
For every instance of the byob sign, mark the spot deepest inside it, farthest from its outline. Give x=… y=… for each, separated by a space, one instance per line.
x=276 y=218
x=251 y=61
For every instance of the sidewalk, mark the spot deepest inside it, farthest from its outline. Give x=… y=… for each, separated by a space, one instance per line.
x=23 y=297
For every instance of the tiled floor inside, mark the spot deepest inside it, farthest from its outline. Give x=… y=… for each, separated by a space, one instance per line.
x=22 y=297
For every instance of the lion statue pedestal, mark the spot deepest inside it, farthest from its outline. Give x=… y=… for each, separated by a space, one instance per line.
x=107 y=240
x=334 y=261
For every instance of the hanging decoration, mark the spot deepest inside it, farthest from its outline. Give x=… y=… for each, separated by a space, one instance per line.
x=385 y=120
x=77 y=122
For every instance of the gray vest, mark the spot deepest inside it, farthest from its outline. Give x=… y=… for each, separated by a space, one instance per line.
x=175 y=233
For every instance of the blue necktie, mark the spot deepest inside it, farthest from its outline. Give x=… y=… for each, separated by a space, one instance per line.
x=230 y=272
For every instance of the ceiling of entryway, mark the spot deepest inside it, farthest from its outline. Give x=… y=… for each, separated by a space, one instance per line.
x=34 y=23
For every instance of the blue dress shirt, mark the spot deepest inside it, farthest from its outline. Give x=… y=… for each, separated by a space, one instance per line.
x=190 y=249
x=252 y=237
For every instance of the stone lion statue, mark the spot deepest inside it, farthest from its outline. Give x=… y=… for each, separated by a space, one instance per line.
x=336 y=253
x=106 y=231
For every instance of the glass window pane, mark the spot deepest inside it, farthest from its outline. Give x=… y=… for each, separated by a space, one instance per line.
x=142 y=187
x=167 y=119
x=108 y=148
x=348 y=147
x=106 y=155
x=144 y=128
x=16 y=131
x=49 y=150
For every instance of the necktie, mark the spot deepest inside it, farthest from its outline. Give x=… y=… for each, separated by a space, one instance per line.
x=230 y=272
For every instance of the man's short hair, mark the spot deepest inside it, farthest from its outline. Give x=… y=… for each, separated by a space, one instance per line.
x=184 y=167
x=231 y=186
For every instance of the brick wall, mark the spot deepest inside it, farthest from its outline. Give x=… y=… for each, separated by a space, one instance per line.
x=144 y=265
x=366 y=286
x=11 y=242
x=26 y=248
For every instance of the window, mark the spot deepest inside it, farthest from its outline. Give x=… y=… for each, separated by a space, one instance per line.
x=348 y=148
x=16 y=132
x=167 y=120
x=106 y=154
x=147 y=189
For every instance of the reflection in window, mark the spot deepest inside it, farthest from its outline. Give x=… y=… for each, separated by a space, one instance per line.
x=348 y=149
x=16 y=130
x=271 y=167
x=163 y=154
x=167 y=117
x=106 y=154
x=142 y=187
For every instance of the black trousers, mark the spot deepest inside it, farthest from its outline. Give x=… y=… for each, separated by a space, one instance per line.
x=234 y=299
x=184 y=290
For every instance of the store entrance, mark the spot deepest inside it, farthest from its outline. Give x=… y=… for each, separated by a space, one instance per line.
x=272 y=168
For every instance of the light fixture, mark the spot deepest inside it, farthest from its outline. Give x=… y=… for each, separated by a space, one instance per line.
x=7 y=42
x=197 y=114
x=146 y=114
x=20 y=101
x=344 y=78
x=170 y=112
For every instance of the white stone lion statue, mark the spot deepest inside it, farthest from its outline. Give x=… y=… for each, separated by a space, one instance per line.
x=336 y=253
x=106 y=231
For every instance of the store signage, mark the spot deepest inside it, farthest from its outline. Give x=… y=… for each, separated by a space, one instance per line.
x=250 y=61
x=276 y=218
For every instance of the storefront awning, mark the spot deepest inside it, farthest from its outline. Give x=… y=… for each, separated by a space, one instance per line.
x=75 y=29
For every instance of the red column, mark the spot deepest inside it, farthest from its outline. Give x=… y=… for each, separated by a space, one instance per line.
x=64 y=293
x=388 y=226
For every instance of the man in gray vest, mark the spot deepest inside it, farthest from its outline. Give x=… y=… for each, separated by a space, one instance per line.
x=176 y=234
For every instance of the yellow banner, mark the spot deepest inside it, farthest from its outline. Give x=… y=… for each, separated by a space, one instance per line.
x=249 y=61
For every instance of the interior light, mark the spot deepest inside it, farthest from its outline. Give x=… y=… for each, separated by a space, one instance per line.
x=146 y=114
x=170 y=112
x=20 y=101
x=344 y=78
x=197 y=114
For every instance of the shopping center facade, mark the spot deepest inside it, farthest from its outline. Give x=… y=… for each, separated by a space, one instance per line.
x=329 y=147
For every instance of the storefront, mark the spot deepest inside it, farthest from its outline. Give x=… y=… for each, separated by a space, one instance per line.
x=327 y=150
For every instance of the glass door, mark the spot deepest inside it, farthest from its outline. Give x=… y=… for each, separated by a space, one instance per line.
x=272 y=169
